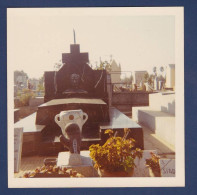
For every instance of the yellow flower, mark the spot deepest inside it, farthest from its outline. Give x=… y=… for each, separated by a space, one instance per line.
x=108 y=131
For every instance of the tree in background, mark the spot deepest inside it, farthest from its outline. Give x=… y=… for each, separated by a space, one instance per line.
x=104 y=65
x=41 y=84
x=149 y=78
x=25 y=96
x=160 y=76
x=146 y=77
x=155 y=70
x=29 y=85
x=19 y=74
x=58 y=65
x=161 y=68
x=128 y=80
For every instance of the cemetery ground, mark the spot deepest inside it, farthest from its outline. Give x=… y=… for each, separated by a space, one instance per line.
x=151 y=142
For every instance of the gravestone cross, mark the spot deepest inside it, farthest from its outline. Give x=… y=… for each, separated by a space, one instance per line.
x=74 y=36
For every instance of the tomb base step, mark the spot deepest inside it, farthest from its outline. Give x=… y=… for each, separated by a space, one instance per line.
x=52 y=148
x=87 y=142
x=118 y=122
x=161 y=123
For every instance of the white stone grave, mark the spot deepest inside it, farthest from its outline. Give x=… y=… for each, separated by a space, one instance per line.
x=18 y=141
x=167 y=167
x=83 y=166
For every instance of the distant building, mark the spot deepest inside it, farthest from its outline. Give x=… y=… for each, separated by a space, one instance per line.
x=115 y=72
x=139 y=77
x=21 y=81
x=170 y=76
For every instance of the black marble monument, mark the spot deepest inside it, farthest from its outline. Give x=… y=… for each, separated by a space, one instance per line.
x=90 y=83
x=75 y=86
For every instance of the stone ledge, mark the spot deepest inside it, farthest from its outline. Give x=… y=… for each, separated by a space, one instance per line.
x=85 y=168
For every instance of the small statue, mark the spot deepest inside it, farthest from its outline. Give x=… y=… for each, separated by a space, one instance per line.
x=71 y=123
x=75 y=81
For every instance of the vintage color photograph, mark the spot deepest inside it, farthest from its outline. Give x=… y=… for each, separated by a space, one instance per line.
x=92 y=96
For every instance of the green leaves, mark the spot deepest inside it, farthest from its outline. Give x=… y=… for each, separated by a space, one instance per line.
x=153 y=162
x=117 y=154
x=104 y=65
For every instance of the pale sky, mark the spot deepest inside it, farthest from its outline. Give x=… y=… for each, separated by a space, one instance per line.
x=38 y=37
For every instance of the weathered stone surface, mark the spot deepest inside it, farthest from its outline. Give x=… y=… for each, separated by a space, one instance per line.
x=96 y=109
x=16 y=115
x=131 y=99
x=49 y=85
x=18 y=140
x=36 y=101
x=119 y=121
x=85 y=168
x=91 y=81
x=167 y=167
x=75 y=159
x=31 y=134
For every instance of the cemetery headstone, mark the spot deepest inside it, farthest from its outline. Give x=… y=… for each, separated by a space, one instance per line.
x=76 y=86
x=167 y=167
x=75 y=78
x=18 y=140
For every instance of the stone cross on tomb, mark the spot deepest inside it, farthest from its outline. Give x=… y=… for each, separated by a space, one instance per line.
x=74 y=36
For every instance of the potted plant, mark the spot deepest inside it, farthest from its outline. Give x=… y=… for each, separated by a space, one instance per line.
x=153 y=164
x=116 y=157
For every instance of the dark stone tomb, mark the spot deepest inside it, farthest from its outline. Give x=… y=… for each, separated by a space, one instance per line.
x=75 y=78
x=75 y=86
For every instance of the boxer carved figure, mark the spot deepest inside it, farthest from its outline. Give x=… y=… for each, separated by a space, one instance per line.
x=74 y=83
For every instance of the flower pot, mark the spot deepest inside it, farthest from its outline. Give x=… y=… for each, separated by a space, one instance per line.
x=154 y=173
x=104 y=173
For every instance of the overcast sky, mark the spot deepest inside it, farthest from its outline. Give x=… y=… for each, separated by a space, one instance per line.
x=38 y=37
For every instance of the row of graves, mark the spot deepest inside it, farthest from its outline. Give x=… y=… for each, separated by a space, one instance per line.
x=75 y=115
